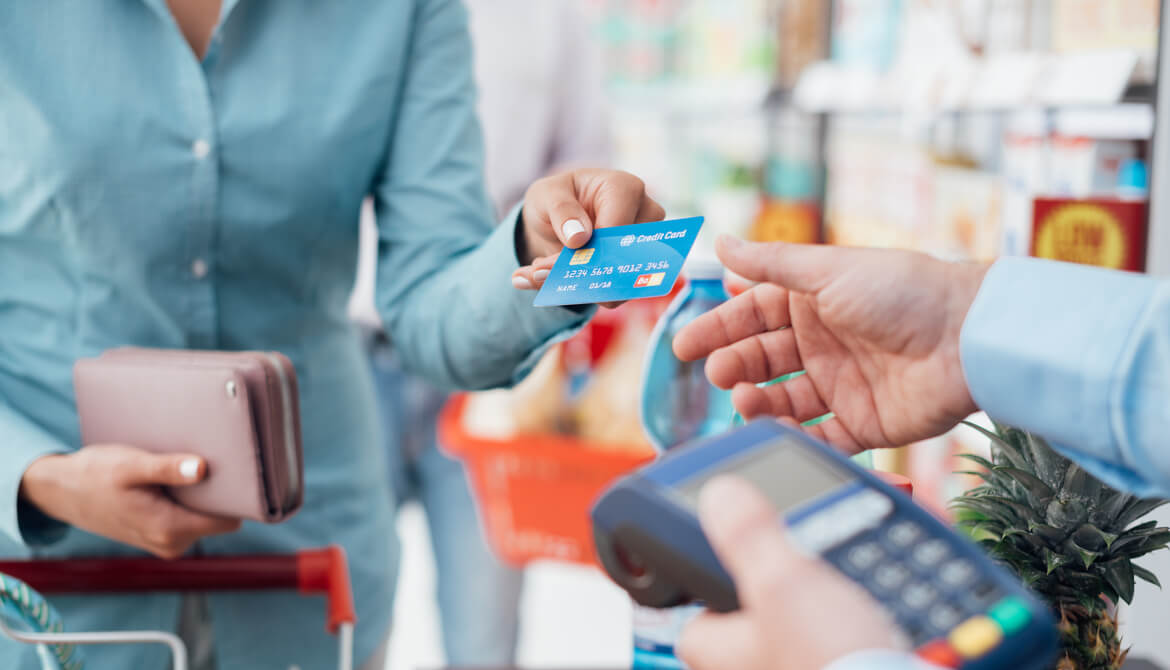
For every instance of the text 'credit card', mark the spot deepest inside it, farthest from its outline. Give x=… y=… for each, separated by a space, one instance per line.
x=623 y=263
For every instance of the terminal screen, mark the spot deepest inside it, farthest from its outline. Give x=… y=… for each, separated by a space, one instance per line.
x=787 y=473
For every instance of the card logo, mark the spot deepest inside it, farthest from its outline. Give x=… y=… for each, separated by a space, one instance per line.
x=627 y=240
x=654 y=279
x=581 y=256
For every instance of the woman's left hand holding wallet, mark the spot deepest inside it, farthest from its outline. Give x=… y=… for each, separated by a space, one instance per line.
x=116 y=491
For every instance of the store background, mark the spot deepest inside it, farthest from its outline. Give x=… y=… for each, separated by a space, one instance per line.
x=925 y=124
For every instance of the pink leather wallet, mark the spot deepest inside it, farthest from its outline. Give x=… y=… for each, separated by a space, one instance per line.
x=238 y=410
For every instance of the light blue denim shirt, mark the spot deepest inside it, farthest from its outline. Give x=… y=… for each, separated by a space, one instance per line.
x=148 y=198
x=1079 y=355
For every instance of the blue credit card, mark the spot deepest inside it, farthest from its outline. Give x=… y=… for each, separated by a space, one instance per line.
x=623 y=263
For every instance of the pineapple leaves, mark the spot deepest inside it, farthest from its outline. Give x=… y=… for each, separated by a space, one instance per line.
x=1053 y=560
x=1137 y=509
x=986 y=508
x=1022 y=511
x=1049 y=465
x=1148 y=576
x=1052 y=536
x=1119 y=574
x=1094 y=538
x=995 y=439
x=1063 y=532
x=1041 y=492
x=975 y=458
x=1087 y=556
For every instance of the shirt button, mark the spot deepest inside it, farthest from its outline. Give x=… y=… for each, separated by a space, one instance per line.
x=199 y=268
x=200 y=149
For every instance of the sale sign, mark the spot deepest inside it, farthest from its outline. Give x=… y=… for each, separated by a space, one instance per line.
x=1109 y=233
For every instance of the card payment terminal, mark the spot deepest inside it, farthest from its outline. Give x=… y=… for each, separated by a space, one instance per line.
x=958 y=608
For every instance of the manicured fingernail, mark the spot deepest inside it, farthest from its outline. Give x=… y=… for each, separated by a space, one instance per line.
x=540 y=275
x=189 y=468
x=572 y=227
x=521 y=282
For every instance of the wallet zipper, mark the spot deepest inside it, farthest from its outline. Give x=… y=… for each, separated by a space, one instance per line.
x=290 y=448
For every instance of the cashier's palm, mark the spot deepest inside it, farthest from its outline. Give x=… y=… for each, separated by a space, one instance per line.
x=876 y=331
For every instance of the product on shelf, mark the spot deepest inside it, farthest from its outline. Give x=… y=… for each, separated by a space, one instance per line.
x=1109 y=233
x=968 y=214
x=804 y=36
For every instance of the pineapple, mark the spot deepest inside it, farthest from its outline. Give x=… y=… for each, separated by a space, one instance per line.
x=1067 y=535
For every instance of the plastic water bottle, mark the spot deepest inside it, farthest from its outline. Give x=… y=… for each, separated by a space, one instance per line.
x=678 y=405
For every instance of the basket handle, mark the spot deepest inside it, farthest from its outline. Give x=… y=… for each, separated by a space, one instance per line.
x=314 y=571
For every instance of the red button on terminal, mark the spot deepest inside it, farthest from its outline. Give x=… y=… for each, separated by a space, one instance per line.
x=940 y=653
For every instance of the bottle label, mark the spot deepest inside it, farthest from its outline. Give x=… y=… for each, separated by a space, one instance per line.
x=657 y=630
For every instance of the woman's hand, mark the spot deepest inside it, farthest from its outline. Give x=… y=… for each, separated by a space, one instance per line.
x=876 y=331
x=796 y=612
x=115 y=491
x=562 y=211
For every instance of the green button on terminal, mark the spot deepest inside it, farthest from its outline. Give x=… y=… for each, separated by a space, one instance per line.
x=1011 y=614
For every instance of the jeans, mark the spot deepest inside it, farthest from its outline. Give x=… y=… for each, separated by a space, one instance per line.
x=478 y=595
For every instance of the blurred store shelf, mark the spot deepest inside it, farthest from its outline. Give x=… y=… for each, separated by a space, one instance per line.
x=999 y=83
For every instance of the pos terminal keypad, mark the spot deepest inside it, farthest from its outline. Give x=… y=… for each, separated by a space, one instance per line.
x=956 y=607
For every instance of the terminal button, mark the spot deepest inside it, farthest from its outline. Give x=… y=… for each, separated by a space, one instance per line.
x=903 y=534
x=956 y=573
x=975 y=637
x=940 y=653
x=1011 y=614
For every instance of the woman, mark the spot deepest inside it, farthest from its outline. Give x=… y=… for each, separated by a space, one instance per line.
x=189 y=176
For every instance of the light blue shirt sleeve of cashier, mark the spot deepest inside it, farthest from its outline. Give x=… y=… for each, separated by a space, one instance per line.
x=880 y=659
x=1081 y=356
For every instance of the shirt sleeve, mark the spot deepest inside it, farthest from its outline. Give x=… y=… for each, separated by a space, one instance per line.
x=24 y=442
x=880 y=659
x=1081 y=356
x=443 y=285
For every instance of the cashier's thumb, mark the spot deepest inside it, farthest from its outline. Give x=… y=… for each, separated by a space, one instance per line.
x=164 y=469
x=745 y=531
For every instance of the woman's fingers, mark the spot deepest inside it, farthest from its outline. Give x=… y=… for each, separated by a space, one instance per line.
x=531 y=277
x=137 y=468
x=170 y=530
x=555 y=205
x=620 y=199
x=650 y=210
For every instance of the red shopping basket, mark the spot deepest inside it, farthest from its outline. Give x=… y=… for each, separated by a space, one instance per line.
x=534 y=492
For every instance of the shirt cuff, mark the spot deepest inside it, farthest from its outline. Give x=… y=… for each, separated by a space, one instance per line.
x=19 y=520
x=880 y=659
x=550 y=324
x=1035 y=354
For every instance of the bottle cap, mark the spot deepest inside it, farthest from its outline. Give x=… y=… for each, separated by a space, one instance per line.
x=1133 y=176
x=702 y=265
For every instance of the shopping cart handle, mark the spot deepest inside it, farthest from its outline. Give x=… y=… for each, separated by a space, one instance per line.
x=312 y=571
x=327 y=571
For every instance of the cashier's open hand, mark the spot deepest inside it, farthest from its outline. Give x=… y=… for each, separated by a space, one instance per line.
x=562 y=210
x=796 y=612
x=876 y=331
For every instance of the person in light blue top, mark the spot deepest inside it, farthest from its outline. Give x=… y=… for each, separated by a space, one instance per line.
x=188 y=174
x=901 y=347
